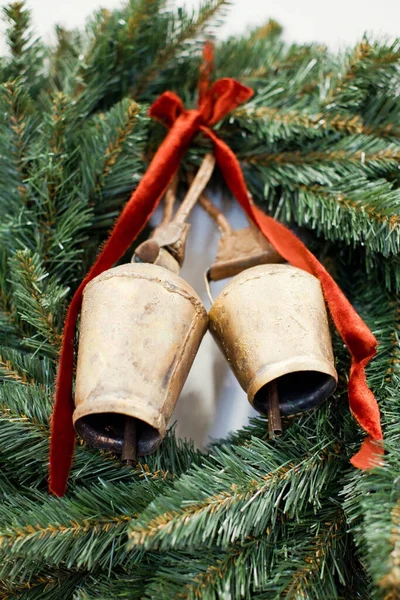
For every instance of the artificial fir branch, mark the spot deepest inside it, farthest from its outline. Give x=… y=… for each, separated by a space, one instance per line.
x=112 y=160
x=212 y=574
x=37 y=298
x=49 y=584
x=184 y=33
x=8 y=372
x=129 y=585
x=27 y=53
x=391 y=581
x=253 y=567
x=386 y=159
x=252 y=518
x=304 y=122
x=334 y=210
x=24 y=439
x=380 y=231
x=17 y=126
x=300 y=580
x=115 y=146
x=371 y=498
x=191 y=515
x=54 y=533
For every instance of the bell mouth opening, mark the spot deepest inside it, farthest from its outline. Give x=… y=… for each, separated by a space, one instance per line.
x=298 y=391
x=106 y=432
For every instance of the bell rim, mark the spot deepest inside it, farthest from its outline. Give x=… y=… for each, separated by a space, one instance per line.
x=273 y=371
x=143 y=413
x=91 y=436
x=109 y=404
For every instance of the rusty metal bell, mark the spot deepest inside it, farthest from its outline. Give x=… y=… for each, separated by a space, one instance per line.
x=141 y=326
x=271 y=323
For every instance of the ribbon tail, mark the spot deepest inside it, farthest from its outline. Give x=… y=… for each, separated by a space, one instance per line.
x=359 y=340
x=369 y=456
x=133 y=218
x=62 y=441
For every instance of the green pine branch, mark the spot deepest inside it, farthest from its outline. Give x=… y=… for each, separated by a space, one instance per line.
x=89 y=533
x=112 y=153
x=372 y=499
x=51 y=584
x=366 y=68
x=27 y=52
x=314 y=566
x=23 y=368
x=316 y=560
x=18 y=123
x=319 y=143
x=25 y=410
x=121 y=585
x=182 y=34
x=37 y=299
x=216 y=504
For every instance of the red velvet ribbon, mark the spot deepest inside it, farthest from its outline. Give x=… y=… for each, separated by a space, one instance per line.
x=215 y=102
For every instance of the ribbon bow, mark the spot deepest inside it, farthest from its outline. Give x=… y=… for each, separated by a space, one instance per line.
x=214 y=103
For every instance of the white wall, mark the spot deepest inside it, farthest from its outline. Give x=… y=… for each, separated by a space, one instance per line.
x=333 y=23
x=212 y=403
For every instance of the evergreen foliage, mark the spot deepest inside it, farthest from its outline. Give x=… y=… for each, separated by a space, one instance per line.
x=320 y=146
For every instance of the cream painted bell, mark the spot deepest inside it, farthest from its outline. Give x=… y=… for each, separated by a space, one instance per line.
x=141 y=327
x=271 y=324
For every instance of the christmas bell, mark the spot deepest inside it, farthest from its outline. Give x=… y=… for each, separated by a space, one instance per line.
x=141 y=326
x=271 y=324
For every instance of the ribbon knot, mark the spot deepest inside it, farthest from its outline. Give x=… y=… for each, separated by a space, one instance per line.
x=224 y=96
x=214 y=103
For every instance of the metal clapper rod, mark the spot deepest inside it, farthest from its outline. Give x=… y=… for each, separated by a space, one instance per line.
x=273 y=411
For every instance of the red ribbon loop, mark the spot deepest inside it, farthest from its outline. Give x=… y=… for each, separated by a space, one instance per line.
x=224 y=96
x=215 y=102
x=167 y=108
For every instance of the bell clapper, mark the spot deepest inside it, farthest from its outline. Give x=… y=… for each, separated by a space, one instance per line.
x=129 y=448
x=273 y=411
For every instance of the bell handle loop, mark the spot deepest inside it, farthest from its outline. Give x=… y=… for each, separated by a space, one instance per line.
x=169 y=201
x=238 y=250
x=172 y=236
x=149 y=250
x=222 y=223
x=196 y=189
x=207 y=280
x=166 y=245
x=217 y=215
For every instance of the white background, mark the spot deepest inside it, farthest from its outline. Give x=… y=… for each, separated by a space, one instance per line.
x=212 y=403
x=333 y=23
